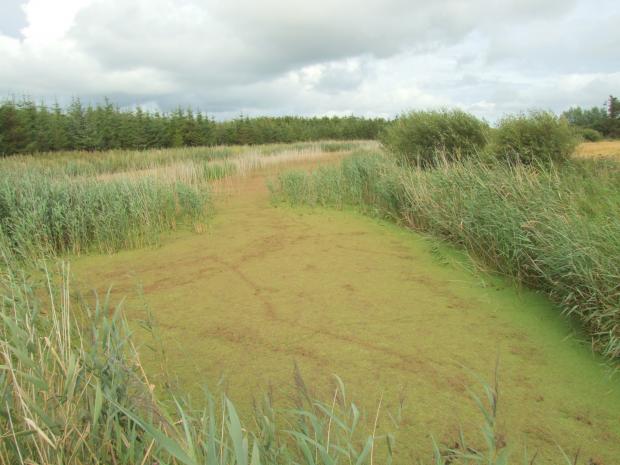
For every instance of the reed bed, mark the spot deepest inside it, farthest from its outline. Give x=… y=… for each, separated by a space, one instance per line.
x=72 y=388
x=45 y=217
x=76 y=202
x=90 y=164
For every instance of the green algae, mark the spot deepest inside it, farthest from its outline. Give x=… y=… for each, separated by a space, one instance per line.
x=392 y=313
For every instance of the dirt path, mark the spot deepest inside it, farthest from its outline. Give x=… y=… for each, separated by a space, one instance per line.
x=385 y=309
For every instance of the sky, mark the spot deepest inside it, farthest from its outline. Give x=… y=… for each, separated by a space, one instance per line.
x=318 y=57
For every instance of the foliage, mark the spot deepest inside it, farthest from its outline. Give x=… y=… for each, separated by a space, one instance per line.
x=424 y=138
x=40 y=217
x=539 y=137
x=613 y=117
x=71 y=203
x=27 y=128
x=555 y=229
x=590 y=118
x=72 y=386
x=74 y=391
x=604 y=119
x=590 y=135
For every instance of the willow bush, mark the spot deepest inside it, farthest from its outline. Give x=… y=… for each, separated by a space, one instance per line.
x=538 y=137
x=427 y=138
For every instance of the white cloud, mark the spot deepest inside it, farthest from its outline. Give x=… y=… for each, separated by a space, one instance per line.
x=376 y=57
x=50 y=21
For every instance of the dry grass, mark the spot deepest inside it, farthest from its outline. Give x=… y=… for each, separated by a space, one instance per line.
x=603 y=149
x=242 y=164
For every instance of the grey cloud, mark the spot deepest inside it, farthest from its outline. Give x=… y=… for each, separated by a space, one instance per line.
x=245 y=40
x=376 y=57
x=585 y=41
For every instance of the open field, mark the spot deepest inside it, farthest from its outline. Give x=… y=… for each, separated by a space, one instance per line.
x=391 y=313
x=241 y=287
x=603 y=149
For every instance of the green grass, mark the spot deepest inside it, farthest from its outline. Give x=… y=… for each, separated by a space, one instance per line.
x=45 y=217
x=75 y=202
x=555 y=229
x=73 y=391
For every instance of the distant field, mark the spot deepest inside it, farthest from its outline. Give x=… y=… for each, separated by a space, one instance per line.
x=608 y=148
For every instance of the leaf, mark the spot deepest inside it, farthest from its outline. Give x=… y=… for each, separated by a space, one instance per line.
x=255 y=454
x=236 y=434
x=98 y=404
x=163 y=441
x=365 y=451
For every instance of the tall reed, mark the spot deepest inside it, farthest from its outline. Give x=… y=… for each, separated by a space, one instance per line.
x=41 y=216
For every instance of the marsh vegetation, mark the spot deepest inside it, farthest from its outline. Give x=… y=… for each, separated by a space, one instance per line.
x=461 y=281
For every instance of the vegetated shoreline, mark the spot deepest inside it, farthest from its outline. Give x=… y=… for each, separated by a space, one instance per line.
x=84 y=397
x=280 y=262
x=75 y=390
x=62 y=203
x=553 y=229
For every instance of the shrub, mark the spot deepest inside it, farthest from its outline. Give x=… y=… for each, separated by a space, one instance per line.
x=423 y=138
x=533 y=138
x=590 y=135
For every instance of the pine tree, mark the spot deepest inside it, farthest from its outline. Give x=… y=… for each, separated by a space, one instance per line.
x=76 y=125
x=58 y=130
x=613 y=117
x=12 y=136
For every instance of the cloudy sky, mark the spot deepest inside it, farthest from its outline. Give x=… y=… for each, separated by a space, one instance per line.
x=367 y=57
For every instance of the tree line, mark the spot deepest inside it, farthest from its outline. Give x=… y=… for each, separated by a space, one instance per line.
x=604 y=119
x=27 y=127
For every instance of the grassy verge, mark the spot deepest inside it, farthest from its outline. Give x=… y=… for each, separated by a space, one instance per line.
x=554 y=229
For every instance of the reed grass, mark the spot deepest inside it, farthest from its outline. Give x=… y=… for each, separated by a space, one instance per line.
x=73 y=391
x=46 y=217
x=72 y=387
x=76 y=202
x=90 y=164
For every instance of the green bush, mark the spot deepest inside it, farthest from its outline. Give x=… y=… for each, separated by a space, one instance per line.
x=533 y=138
x=424 y=138
x=590 y=135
